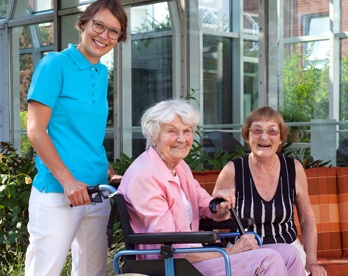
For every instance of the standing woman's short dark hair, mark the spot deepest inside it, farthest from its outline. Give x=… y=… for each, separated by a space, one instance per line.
x=115 y=8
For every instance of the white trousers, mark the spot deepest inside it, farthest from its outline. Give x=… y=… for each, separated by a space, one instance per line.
x=55 y=227
x=300 y=249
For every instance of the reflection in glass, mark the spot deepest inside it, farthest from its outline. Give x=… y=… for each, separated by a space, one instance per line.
x=152 y=71
x=251 y=23
x=26 y=72
x=46 y=34
x=150 y=18
x=108 y=61
x=215 y=15
x=217 y=80
x=152 y=62
x=251 y=17
x=306 y=86
x=40 y=5
x=295 y=13
x=3 y=8
x=251 y=71
x=317 y=52
x=34 y=42
x=344 y=81
x=24 y=38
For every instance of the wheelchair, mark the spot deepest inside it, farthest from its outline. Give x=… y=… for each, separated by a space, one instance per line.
x=125 y=261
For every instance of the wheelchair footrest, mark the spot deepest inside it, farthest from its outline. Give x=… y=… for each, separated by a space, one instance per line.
x=156 y=267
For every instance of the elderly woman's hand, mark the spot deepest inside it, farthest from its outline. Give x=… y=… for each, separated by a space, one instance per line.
x=244 y=243
x=315 y=270
x=228 y=195
x=223 y=208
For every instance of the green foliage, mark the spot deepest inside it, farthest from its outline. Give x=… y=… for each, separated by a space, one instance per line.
x=306 y=85
x=344 y=89
x=194 y=158
x=219 y=159
x=16 y=175
x=27 y=149
x=122 y=164
x=304 y=156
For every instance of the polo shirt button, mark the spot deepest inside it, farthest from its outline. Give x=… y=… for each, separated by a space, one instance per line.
x=92 y=68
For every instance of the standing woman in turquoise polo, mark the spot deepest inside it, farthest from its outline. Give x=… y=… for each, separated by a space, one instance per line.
x=67 y=113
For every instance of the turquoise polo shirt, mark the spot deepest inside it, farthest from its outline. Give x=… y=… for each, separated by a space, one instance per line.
x=76 y=91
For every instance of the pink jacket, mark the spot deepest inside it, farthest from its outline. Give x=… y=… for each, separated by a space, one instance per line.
x=154 y=198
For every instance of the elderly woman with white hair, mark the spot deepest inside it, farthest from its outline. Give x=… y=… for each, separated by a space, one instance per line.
x=163 y=196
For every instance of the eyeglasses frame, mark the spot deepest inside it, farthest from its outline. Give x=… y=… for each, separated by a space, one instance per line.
x=105 y=28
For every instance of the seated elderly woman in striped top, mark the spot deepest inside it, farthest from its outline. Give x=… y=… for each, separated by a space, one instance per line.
x=267 y=185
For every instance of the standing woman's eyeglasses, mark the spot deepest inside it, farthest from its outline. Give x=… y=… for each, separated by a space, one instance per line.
x=258 y=130
x=99 y=28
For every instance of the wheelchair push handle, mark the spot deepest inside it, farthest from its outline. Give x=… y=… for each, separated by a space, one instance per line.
x=212 y=207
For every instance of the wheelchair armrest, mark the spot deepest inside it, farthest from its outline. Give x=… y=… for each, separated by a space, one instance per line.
x=209 y=237
x=230 y=224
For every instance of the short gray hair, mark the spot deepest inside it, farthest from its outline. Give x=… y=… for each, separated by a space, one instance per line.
x=163 y=113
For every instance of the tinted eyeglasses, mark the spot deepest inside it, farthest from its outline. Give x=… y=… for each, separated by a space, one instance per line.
x=271 y=131
x=99 y=28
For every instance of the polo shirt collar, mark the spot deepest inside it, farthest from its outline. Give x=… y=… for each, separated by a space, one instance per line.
x=80 y=60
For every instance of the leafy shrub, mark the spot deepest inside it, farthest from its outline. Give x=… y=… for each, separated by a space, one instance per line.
x=16 y=175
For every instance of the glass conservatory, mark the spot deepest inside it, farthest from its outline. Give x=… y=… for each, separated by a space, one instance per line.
x=227 y=56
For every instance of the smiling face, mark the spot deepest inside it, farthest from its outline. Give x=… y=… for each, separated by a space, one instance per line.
x=93 y=45
x=174 y=142
x=265 y=141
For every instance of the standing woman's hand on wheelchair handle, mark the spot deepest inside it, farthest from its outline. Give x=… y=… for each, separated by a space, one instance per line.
x=76 y=192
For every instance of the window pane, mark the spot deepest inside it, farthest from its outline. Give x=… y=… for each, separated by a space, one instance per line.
x=217 y=80
x=251 y=17
x=251 y=69
x=250 y=55
x=306 y=87
x=24 y=38
x=150 y=18
x=342 y=154
x=108 y=61
x=316 y=52
x=215 y=15
x=295 y=13
x=33 y=43
x=40 y=5
x=344 y=81
x=69 y=34
x=151 y=73
x=343 y=16
x=46 y=34
x=3 y=8
x=151 y=77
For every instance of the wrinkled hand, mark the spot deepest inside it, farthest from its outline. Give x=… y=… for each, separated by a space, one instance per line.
x=228 y=195
x=244 y=243
x=315 y=269
x=77 y=194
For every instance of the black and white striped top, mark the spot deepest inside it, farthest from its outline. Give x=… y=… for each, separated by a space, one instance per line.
x=274 y=219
